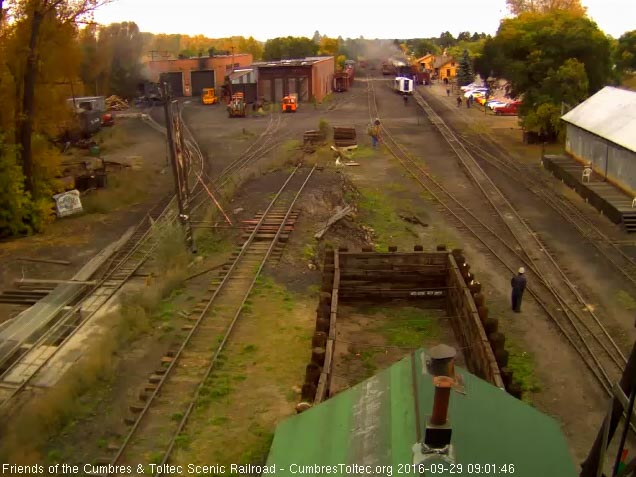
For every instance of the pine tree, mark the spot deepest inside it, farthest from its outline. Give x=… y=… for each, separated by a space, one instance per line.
x=465 y=73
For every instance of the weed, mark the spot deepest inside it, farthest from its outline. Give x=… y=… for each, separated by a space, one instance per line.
x=367 y=357
x=250 y=348
x=625 y=300
x=177 y=416
x=102 y=443
x=182 y=440
x=219 y=420
x=323 y=127
x=54 y=456
x=239 y=377
x=309 y=251
x=292 y=396
x=521 y=363
x=313 y=290
x=259 y=450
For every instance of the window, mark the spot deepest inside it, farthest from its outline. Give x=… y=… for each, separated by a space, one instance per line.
x=448 y=72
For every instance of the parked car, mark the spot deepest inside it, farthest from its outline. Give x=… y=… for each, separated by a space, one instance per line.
x=509 y=108
x=471 y=92
x=481 y=100
x=493 y=103
x=470 y=86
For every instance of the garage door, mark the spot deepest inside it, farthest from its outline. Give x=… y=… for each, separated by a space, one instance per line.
x=200 y=80
x=175 y=82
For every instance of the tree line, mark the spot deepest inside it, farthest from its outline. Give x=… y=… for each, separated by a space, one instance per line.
x=550 y=52
x=553 y=57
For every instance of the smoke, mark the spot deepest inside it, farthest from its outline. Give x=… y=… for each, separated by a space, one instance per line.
x=145 y=73
x=380 y=50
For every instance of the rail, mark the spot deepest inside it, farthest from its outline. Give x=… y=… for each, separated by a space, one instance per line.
x=568 y=320
x=205 y=313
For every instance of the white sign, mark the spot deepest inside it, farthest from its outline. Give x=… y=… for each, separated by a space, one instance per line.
x=67 y=203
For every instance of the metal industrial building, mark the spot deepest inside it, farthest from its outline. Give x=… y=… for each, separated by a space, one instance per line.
x=310 y=78
x=244 y=81
x=601 y=131
x=188 y=76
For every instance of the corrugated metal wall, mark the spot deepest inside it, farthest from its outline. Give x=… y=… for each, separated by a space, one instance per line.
x=617 y=163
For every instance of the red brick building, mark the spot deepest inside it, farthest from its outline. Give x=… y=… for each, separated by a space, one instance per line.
x=309 y=78
x=188 y=76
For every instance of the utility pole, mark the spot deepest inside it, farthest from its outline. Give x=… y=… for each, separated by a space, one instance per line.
x=177 y=172
x=183 y=165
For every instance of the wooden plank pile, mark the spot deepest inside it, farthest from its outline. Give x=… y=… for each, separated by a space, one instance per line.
x=313 y=136
x=344 y=137
x=115 y=103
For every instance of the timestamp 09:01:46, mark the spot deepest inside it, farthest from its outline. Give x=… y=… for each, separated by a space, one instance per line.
x=457 y=469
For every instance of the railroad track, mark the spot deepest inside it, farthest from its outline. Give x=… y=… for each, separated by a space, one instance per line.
x=175 y=392
x=531 y=178
x=18 y=374
x=549 y=285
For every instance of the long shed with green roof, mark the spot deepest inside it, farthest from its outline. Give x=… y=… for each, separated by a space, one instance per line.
x=378 y=426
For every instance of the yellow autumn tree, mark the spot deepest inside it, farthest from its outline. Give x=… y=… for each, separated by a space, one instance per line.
x=544 y=6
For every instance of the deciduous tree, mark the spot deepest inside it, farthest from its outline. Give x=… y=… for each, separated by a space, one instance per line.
x=625 y=53
x=517 y=7
x=33 y=14
x=289 y=47
x=548 y=58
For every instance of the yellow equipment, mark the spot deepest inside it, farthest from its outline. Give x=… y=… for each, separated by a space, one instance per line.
x=290 y=103
x=208 y=96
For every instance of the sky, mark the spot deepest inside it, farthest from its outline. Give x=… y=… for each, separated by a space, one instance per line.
x=264 y=19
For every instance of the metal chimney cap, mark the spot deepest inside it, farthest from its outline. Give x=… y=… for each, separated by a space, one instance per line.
x=442 y=351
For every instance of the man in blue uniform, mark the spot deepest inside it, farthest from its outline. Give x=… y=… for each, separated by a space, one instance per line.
x=518 y=284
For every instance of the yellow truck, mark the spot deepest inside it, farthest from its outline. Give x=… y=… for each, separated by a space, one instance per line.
x=208 y=96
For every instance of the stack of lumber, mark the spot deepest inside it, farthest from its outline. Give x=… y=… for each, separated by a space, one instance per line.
x=344 y=137
x=115 y=103
x=313 y=136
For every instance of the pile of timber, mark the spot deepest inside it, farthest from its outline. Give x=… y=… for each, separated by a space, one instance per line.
x=344 y=137
x=115 y=103
x=313 y=136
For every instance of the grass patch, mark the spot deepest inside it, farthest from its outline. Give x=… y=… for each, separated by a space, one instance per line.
x=625 y=300
x=521 y=363
x=378 y=211
x=124 y=189
x=364 y=152
x=408 y=327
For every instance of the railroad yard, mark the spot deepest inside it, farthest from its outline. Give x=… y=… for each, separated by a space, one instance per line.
x=209 y=351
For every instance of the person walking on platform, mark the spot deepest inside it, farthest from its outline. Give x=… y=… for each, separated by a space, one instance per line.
x=459 y=101
x=518 y=284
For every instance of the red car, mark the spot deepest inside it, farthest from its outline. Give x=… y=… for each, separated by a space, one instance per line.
x=510 y=108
